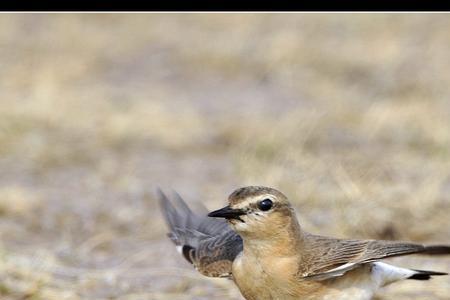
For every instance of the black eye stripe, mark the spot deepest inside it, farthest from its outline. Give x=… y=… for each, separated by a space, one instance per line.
x=265 y=204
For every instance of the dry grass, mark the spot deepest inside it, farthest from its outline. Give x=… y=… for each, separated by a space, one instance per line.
x=349 y=115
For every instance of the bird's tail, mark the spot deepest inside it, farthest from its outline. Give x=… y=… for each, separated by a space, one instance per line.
x=425 y=275
x=390 y=273
x=431 y=250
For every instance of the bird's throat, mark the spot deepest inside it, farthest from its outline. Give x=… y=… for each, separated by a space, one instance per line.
x=281 y=241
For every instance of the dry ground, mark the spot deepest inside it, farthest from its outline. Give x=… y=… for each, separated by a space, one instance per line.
x=349 y=115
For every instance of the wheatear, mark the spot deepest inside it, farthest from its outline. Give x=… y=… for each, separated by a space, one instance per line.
x=260 y=245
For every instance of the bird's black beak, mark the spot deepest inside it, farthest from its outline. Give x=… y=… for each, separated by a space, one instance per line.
x=228 y=213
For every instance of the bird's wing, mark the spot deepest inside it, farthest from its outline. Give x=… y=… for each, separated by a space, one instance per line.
x=328 y=257
x=207 y=243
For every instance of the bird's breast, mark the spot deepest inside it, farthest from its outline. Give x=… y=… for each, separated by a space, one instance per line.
x=268 y=278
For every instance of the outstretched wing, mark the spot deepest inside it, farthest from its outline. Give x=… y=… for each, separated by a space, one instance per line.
x=329 y=257
x=207 y=243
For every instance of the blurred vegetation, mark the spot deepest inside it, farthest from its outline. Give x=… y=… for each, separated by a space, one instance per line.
x=347 y=114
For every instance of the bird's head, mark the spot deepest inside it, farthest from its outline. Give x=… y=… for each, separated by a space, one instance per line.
x=257 y=211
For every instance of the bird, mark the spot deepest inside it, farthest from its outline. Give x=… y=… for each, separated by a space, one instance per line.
x=257 y=241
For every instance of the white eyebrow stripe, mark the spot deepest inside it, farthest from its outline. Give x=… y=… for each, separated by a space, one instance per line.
x=243 y=204
x=246 y=203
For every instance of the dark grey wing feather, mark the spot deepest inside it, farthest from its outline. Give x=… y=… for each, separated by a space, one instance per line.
x=208 y=243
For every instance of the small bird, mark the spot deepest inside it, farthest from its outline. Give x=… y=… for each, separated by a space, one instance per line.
x=257 y=241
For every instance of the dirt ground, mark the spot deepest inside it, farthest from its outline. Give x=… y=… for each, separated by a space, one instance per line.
x=347 y=114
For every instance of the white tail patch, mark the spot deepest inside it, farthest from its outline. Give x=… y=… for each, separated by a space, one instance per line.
x=386 y=274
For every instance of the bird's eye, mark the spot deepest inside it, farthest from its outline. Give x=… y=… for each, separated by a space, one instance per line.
x=265 y=204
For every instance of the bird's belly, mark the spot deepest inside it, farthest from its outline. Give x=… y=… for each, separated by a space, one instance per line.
x=256 y=283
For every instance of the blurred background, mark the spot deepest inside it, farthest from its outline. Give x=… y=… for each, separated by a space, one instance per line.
x=347 y=114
